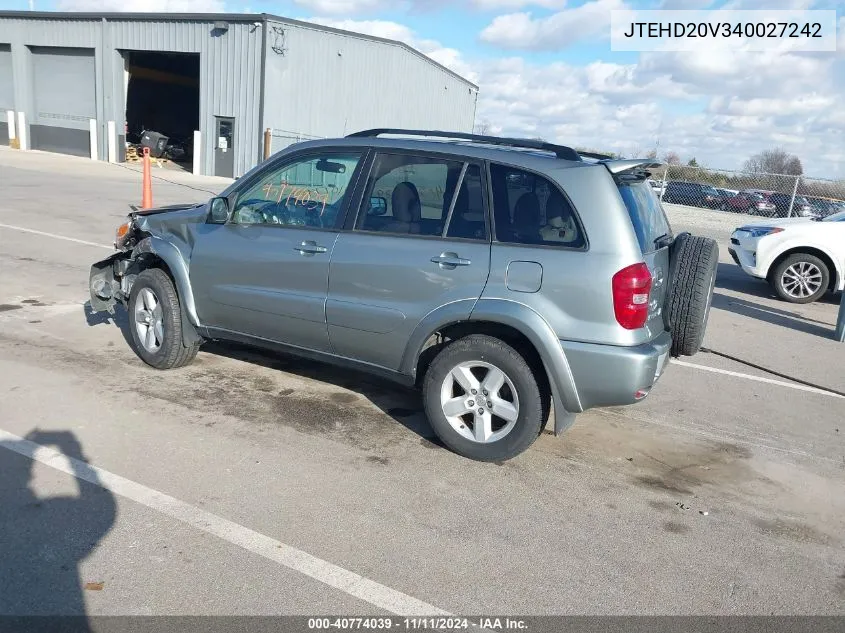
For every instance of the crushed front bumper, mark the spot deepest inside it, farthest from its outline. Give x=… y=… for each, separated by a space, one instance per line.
x=105 y=282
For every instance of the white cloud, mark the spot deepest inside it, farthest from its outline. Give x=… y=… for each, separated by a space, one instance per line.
x=555 y=32
x=342 y=7
x=512 y=5
x=747 y=103
x=142 y=6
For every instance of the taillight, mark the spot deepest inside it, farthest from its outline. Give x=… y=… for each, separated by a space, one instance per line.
x=631 y=288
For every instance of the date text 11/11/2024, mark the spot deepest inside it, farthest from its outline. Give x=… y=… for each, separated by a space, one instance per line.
x=418 y=624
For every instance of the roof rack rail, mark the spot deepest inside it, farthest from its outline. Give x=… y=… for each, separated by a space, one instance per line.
x=561 y=151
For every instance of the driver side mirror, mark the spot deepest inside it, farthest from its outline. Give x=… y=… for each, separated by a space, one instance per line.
x=219 y=211
x=378 y=206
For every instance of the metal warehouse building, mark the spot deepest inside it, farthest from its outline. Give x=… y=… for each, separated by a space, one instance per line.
x=84 y=83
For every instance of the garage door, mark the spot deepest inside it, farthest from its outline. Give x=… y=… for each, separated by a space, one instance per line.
x=65 y=99
x=7 y=95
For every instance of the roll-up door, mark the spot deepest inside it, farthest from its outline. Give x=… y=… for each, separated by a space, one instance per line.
x=64 y=90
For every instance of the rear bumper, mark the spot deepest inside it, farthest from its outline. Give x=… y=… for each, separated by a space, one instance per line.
x=610 y=375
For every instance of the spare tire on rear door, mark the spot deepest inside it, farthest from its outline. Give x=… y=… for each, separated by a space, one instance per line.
x=692 y=276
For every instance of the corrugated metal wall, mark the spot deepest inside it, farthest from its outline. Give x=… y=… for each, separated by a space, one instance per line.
x=316 y=82
x=230 y=70
x=230 y=76
x=7 y=94
x=329 y=84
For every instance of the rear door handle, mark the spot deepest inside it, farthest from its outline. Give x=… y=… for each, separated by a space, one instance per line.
x=450 y=260
x=310 y=248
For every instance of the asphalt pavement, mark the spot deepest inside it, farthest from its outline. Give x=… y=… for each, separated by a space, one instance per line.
x=251 y=483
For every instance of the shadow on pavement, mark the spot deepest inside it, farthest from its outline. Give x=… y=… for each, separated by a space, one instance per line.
x=45 y=539
x=774 y=316
x=120 y=318
x=402 y=404
x=731 y=277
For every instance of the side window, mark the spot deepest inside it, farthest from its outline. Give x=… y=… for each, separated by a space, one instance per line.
x=308 y=192
x=529 y=209
x=409 y=194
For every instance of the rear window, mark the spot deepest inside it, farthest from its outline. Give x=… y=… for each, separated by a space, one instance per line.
x=646 y=213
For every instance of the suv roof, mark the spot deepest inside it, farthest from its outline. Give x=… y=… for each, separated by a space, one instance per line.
x=527 y=153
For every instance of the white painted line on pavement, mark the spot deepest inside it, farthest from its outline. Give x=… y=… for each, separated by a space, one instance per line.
x=53 y=235
x=771 y=381
x=349 y=582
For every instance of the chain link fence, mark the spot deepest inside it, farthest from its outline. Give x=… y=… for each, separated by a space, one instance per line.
x=759 y=194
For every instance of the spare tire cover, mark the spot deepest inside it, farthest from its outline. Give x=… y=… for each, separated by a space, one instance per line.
x=694 y=261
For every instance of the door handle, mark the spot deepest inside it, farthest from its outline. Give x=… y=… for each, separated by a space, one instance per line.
x=450 y=260
x=310 y=248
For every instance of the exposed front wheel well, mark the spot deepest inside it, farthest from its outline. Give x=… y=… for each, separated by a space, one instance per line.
x=506 y=333
x=146 y=261
x=808 y=250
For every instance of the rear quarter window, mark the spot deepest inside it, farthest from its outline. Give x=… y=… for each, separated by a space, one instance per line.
x=645 y=211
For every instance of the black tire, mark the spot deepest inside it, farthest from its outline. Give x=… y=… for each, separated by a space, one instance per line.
x=695 y=261
x=172 y=352
x=531 y=393
x=792 y=260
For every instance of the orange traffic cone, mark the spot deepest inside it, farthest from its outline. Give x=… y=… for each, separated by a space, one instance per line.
x=147 y=195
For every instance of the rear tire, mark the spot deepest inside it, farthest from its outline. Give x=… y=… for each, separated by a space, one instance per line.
x=155 y=320
x=520 y=399
x=693 y=278
x=801 y=278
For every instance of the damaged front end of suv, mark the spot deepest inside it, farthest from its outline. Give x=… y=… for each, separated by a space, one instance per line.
x=152 y=238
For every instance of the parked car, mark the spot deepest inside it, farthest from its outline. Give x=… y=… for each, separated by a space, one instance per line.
x=801 y=207
x=802 y=258
x=823 y=207
x=750 y=203
x=497 y=280
x=692 y=194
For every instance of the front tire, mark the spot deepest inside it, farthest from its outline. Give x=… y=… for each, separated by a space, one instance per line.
x=155 y=320
x=801 y=278
x=483 y=400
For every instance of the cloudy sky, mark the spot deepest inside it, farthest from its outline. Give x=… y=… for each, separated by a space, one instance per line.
x=545 y=68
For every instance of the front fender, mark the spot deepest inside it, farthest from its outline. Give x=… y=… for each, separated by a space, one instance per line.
x=175 y=261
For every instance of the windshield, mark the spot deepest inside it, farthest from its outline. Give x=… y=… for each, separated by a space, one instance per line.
x=646 y=213
x=710 y=190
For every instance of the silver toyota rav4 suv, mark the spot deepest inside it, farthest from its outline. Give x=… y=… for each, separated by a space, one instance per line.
x=512 y=281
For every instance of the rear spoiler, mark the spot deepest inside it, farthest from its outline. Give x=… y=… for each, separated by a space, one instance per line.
x=631 y=165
